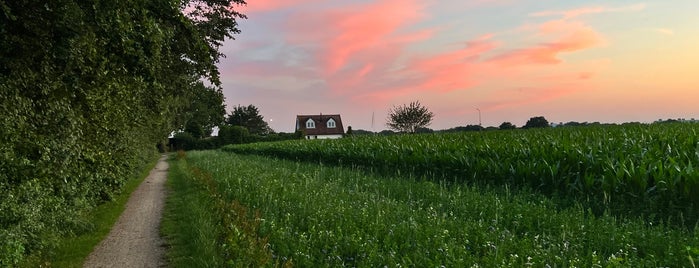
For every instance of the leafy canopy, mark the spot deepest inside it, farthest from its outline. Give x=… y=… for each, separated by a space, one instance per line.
x=249 y=117
x=507 y=125
x=408 y=118
x=537 y=122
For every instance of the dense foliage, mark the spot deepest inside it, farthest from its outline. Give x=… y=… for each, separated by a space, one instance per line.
x=634 y=169
x=536 y=122
x=250 y=118
x=268 y=211
x=87 y=89
x=409 y=117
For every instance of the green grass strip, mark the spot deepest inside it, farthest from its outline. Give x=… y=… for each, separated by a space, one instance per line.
x=189 y=225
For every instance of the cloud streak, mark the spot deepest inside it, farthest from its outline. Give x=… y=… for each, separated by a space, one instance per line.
x=574 y=13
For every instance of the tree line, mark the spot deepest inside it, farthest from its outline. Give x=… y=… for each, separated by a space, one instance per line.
x=87 y=89
x=414 y=118
x=244 y=124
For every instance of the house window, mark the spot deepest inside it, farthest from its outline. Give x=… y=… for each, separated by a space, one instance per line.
x=331 y=123
x=310 y=124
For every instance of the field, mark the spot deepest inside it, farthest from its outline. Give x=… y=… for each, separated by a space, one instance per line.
x=647 y=170
x=448 y=202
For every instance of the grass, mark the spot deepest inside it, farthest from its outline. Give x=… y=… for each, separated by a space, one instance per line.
x=188 y=223
x=318 y=216
x=73 y=250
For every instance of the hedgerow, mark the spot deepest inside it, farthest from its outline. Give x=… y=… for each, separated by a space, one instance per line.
x=87 y=90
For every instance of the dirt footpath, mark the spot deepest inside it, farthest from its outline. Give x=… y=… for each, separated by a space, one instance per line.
x=134 y=240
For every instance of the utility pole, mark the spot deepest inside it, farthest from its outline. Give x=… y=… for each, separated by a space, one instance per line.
x=479 y=117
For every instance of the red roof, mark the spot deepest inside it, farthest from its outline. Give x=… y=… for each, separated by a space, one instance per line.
x=321 y=124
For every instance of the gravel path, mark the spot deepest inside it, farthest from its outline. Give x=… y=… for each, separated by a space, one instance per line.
x=134 y=240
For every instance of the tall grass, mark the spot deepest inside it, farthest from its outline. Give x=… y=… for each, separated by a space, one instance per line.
x=324 y=216
x=189 y=224
x=204 y=229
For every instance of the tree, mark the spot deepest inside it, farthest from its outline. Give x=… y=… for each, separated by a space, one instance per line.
x=465 y=128
x=205 y=111
x=537 y=122
x=408 y=118
x=249 y=117
x=507 y=125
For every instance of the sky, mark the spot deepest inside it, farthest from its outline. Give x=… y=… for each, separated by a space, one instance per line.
x=507 y=60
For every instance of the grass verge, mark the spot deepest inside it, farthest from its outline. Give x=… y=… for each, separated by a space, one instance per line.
x=204 y=229
x=72 y=251
x=189 y=225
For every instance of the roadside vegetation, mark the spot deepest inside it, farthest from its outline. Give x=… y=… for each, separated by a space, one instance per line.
x=318 y=215
x=88 y=90
x=72 y=250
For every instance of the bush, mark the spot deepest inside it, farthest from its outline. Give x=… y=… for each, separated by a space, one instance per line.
x=183 y=141
x=233 y=134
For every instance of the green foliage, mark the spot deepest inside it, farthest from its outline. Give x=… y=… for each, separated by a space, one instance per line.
x=88 y=89
x=537 y=122
x=647 y=170
x=318 y=216
x=71 y=251
x=233 y=134
x=183 y=141
x=507 y=125
x=409 y=118
x=205 y=111
x=465 y=128
x=249 y=117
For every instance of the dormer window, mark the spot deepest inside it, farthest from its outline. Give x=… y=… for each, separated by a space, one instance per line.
x=331 y=123
x=310 y=123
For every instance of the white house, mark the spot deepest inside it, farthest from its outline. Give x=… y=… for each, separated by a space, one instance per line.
x=320 y=126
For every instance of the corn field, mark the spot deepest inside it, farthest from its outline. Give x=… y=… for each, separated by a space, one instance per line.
x=646 y=169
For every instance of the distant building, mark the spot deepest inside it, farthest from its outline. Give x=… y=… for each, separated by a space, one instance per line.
x=320 y=126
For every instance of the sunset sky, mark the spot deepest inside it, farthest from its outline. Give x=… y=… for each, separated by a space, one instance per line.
x=606 y=61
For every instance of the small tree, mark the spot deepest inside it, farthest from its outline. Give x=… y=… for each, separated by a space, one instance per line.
x=408 y=118
x=507 y=125
x=537 y=122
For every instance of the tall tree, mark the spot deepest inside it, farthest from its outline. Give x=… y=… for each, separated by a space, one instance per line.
x=250 y=118
x=206 y=111
x=408 y=118
x=537 y=122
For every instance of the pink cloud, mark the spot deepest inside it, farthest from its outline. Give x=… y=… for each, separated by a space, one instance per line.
x=357 y=46
x=270 y=5
x=367 y=27
x=573 y=13
x=454 y=70
x=570 y=36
